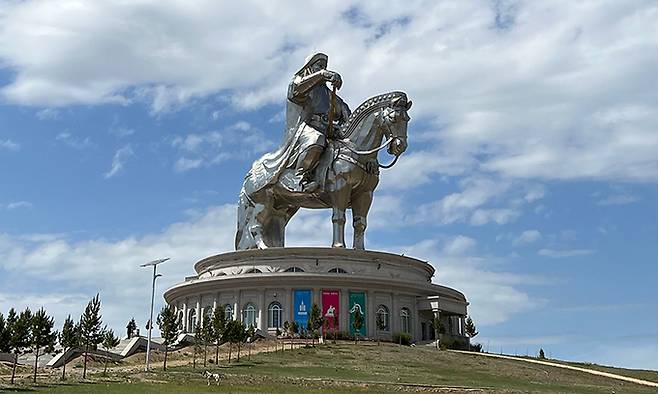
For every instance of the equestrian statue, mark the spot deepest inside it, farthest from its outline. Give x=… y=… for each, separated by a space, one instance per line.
x=328 y=159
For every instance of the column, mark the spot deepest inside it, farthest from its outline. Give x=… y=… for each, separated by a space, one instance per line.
x=344 y=320
x=415 y=322
x=214 y=302
x=395 y=313
x=371 y=324
x=185 y=329
x=261 y=306
x=198 y=310
x=236 y=304
x=291 y=307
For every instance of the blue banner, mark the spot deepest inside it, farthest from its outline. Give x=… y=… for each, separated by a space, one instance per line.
x=302 y=304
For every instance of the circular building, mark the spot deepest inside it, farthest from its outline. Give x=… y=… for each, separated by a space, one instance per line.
x=268 y=287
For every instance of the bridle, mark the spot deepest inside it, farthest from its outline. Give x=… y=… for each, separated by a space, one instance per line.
x=390 y=137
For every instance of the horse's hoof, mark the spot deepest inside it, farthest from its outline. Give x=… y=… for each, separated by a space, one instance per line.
x=338 y=245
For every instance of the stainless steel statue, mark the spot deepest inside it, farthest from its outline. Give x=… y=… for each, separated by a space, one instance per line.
x=328 y=159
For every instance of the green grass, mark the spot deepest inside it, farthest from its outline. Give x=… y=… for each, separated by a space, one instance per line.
x=345 y=368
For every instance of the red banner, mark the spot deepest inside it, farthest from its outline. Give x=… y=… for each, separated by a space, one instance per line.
x=330 y=309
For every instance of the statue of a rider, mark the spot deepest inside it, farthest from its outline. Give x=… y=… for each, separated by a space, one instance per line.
x=309 y=91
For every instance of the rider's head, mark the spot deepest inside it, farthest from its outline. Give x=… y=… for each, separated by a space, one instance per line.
x=314 y=63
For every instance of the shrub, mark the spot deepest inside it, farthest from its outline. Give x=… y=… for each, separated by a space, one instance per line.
x=458 y=344
x=402 y=338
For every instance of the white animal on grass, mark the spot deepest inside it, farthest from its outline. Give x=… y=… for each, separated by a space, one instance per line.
x=213 y=376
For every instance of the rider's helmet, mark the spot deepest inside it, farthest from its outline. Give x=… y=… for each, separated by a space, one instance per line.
x=312 y=59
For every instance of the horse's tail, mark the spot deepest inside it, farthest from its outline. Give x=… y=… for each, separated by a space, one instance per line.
x=244 y=207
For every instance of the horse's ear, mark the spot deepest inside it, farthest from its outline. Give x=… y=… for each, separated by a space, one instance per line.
x=409 y=104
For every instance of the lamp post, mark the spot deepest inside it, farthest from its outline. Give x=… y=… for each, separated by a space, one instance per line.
x=153 y=263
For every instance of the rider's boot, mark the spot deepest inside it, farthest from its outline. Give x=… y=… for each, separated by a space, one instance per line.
x=307 y=162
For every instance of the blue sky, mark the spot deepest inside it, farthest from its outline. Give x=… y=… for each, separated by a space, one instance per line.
x=529 y=182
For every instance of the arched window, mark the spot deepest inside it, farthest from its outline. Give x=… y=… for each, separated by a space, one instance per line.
x=337 y=270
x=228 y=311
x=405 y=322
x=191 y=321
x=207 y=315
x=274 y=315
x=383 y=317
x=254 y=271
x=181 y=320
x=249 y=315
x=294 y=269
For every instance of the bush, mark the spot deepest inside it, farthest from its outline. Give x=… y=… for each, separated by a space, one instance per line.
x=402 y=338
x=458 y=344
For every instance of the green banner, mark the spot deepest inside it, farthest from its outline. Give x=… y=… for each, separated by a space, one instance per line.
x=358 y=303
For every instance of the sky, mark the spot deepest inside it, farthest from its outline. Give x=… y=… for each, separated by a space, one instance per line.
x=530 y=182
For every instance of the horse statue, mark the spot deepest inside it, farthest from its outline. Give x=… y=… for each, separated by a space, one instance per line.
x=348 y=173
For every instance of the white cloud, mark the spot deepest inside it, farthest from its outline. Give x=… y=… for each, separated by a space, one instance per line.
x=459 y=245
x=120 y=158
x=529 y=91
x=561 y=253
x=498 y=216
x=74 y=141
x=479 y=202
x=80 y=269
x=617 y=199
x=495 y=296
x=528 y=237
x=9 y=145
x=240 y=140
x=47 y=114
x=18 y=205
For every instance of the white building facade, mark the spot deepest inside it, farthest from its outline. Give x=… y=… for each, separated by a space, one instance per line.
x=266 y=288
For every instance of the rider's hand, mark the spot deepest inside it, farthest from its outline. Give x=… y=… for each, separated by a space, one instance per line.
x=333 y=78
x=337 y=81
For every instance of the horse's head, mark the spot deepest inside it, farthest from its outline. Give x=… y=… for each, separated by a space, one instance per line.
x=395 y=119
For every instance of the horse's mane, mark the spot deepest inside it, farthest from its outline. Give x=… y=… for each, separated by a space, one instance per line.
x=366 y=108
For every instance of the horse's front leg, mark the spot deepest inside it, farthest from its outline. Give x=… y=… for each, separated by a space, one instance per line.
x=360 y=207
x=340 y=200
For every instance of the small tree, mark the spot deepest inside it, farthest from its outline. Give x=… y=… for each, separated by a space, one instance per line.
x=198 y=340
x=357 y=323
x=218 y=327
x=235 y=335
x=168 y=324
x=542 y=356
x=91 y=333
x=469 y=328
x=19 y=335
x=69 y=338
x=42 y=336
x=294 y=329
x=227 y=337
x=439 y=329
x=4 y=336
x=249 y=336
x=240 y=336
x=315 y=321
x=335 y=327
x=381 y=326
x=110 y=341
x=207 y=335
x=131 y=328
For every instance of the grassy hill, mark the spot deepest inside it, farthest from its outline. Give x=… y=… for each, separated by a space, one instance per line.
x=346 y=368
